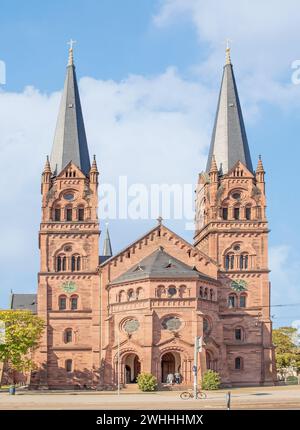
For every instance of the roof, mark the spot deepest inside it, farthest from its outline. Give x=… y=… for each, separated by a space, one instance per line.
x=229 y=142
x=70 y=142
x=159 y=265
x=24 y=302
x=107 y=249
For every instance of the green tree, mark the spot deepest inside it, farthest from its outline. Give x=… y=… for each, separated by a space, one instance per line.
x=287 y=351
x=211 y=380
x=146 y=382
x=22 y=334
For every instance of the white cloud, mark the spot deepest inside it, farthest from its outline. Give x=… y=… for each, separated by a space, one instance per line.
x=152 y=129
x=265 y=41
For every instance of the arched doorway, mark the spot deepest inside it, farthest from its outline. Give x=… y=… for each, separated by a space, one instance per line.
x=170 y=364
x=132 y=368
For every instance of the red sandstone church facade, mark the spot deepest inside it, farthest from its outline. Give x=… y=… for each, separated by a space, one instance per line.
x=147 y=303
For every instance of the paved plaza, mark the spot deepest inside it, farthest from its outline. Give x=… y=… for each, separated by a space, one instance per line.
x=286 y=397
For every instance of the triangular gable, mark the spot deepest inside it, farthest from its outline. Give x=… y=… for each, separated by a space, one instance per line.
x=79 y=173
x=242 y=168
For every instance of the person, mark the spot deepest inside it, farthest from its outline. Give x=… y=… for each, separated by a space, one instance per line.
x=177 y=378
x=170 y=379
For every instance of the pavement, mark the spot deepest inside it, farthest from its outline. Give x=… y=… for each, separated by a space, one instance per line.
x=279 y=397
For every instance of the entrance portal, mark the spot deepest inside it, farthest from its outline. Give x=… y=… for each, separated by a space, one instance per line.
x=170 y=364
x=132 y=368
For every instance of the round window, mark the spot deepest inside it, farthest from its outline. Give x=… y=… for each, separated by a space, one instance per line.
x=68 y=248
x=69 y=196
x=236 y=196
x=171 y=323
x=236 y=247
x=130 y=326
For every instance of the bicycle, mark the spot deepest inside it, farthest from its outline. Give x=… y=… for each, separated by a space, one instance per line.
x=186 y=395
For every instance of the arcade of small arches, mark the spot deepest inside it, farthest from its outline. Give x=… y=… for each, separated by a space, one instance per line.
x=238 y=258
x=68 y=303
x=236 y=300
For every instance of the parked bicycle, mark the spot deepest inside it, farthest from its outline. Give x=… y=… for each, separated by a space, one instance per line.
x=186 y=395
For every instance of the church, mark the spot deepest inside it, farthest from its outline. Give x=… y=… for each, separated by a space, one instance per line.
x=110 y=317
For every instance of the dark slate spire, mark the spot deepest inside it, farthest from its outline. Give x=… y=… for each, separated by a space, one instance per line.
x=107 y=249
x=229 y=141
x=70 y=140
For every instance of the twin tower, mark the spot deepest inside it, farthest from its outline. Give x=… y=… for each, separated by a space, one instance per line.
x=110 y=317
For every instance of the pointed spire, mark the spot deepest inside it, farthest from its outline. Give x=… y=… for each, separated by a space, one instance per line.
x=107 y=249
x=229 y=141
x=47 y=168
x=260 y=167
x=70 y=142
x=213 y=165
x=94 y=167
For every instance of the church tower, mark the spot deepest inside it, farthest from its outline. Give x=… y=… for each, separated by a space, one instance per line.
x=68 y=281
x=232 y=228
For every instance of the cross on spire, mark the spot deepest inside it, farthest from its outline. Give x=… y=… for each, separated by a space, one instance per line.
x=71 y=60
x=228 y=60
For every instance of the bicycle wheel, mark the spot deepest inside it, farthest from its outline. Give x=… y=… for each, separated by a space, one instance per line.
x=185 y=395
x=201 y=395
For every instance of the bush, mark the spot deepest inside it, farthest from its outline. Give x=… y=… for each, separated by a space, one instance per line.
x=292 y=380
x=146 y=382
x=211 y=380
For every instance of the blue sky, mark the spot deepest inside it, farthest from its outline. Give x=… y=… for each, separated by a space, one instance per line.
x=149 y=77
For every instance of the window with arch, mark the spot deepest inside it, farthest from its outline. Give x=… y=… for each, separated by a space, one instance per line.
x=68 y=335
x=248 y=212
x=80 y=213
x=229 y=262
x=205 y=296
x=74 y=302
x=75 y=263
x=122 y=296
x=244 y=261
x=211 y=364
x=130 y=294
x=232 y=301
x=69 y=212
x=161 y=291
x=243 y=300
x=57 y=214
x=238 y=363
x=62 y=303
x=239 y=334
x=236 y=213
x=172 y=291
x=61 y=263
x=69 y=365
x=139 y=293
x=225 y=213
x=211 y=294
x=201 y=292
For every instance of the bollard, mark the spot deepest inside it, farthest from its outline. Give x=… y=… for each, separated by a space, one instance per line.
x=12 y=390
x=228 y=400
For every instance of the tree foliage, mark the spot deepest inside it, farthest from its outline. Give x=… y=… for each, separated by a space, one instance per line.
x=287 y=351
x=211 y=380
x=146 y=382
x=22 y=333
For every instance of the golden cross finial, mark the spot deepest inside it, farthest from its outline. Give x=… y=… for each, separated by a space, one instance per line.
x=71 y=60
x=228 y=60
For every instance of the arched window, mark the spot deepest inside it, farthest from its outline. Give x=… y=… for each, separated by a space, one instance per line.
x=62 y=303
x=211 y=294
x=225 y=213
x=244 y=261
x=238 y=363
x=248 y=212
x=69 y=211
x=57 y=213
x=68 y=365
x=238 y=333
x=205 y=293
x=68 y=335
x=229 y=262
x=232 y=301
x=139 y=293
x=61 y=263
x=243 y=300
x=80 y=213
x=236 y=213
x=122 y=296
x=130 y=294
x=75 y=263
x=74 y=303
x=201 y=292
